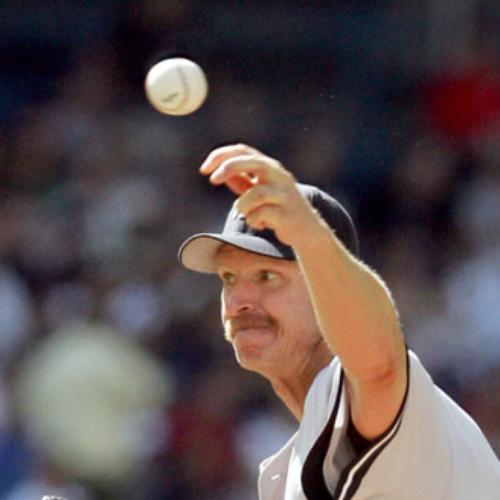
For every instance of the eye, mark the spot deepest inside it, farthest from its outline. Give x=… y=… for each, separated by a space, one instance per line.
x=267 y=275
x=227 y=278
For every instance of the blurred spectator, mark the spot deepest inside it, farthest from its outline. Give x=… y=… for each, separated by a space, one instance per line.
x=87 y=399
x=17 y=320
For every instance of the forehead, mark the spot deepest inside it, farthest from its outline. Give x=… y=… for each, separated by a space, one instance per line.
x=233 y=257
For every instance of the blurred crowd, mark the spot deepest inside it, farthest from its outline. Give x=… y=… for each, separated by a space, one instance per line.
x=115 y=381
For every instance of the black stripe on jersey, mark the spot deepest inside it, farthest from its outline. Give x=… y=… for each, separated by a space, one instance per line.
x=353 y=474
x=313 y=482
x=351 y=477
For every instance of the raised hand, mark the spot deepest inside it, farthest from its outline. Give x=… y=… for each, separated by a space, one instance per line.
x=268 y=196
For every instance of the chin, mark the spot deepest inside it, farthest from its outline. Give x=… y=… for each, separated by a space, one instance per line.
x=251 y=358
x=252 y=347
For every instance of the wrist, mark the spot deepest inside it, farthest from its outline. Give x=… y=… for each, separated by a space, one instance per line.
x=314 y=238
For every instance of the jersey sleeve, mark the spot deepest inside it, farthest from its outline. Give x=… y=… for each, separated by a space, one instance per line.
x=415 y=446
x=433 y=450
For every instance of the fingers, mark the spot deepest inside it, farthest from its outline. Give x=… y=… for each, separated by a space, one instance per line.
x=268 y=206
x=252 y=165
x=265 y=216
x=219 y=155
x=238 y=184
x=257 y=168
x=258 y=195
x=240 y=166
x=267 y=193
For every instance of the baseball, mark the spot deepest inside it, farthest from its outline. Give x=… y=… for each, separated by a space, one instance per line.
x=176 y=86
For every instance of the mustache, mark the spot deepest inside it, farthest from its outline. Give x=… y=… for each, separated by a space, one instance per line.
x=250 y=320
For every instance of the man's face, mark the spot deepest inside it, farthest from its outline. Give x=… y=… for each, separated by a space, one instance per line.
x=266 y=312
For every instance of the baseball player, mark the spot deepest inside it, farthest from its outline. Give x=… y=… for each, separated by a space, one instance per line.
x=301 y=309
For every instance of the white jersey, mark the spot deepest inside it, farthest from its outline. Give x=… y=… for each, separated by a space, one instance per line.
x=433 y=450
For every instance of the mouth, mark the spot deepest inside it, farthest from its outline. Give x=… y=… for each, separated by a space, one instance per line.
x=247 y=332
x=246 y=327
x=251 y=330
x=251 y=341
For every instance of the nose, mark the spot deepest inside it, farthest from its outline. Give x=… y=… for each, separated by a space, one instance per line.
x=240 y=298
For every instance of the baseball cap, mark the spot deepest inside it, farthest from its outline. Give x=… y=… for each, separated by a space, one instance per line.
x=198 y=252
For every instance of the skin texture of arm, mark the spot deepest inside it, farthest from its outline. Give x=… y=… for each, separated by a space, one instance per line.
x=357 y=318
x=353 y=307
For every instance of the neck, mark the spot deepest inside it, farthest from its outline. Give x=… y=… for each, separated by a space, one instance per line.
x=292 y=390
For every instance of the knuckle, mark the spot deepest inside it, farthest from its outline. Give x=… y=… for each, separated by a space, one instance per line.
x=244 y=147
x=255 y=157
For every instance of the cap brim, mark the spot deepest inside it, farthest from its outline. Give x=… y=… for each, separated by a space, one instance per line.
x=198 y=253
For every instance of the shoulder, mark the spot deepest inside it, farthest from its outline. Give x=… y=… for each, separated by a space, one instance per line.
x=322 y=394
x=445 y=451
x=325 y=383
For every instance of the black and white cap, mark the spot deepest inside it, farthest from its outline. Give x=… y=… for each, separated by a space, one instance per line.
x=199 y=251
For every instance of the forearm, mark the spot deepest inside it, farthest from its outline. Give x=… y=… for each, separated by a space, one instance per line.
x=353 y=306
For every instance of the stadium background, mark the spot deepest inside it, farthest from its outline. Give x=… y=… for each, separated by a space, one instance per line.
x=114 y=379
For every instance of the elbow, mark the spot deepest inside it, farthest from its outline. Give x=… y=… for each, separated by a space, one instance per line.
x=388 y=368
x=387 y=374
x=384 y=364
